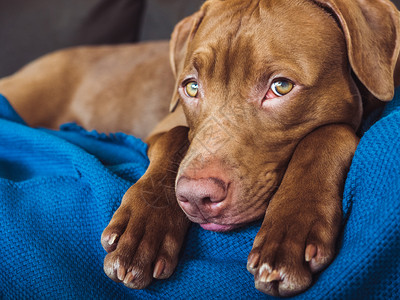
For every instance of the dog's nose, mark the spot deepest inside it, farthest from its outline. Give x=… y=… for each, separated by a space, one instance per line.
x=203 y=192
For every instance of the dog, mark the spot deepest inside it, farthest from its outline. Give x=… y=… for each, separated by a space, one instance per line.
x=267 y=97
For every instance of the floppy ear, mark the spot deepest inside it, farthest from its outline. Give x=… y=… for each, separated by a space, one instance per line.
x=182 y=34
x=372 y=32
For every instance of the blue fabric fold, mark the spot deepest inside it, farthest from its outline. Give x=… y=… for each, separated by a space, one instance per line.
x=59 y=189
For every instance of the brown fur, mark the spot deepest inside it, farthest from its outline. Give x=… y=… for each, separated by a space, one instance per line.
x=236 y=156
x=107 y=88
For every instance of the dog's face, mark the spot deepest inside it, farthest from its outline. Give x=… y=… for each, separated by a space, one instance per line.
x=255 y=79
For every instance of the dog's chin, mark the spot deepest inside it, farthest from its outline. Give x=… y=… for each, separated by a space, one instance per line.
x=218 y=227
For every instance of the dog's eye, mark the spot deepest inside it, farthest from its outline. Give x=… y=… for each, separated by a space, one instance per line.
x=192 y=89
x=281 y=87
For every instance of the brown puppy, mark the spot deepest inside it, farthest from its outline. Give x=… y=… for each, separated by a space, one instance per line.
x=271 y=103
x=272 y=106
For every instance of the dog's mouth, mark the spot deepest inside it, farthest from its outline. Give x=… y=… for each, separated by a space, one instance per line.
x=223 y=223
x=209 y=225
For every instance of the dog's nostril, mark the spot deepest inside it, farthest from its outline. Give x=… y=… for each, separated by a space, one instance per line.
x=182 y=199
x=207 y=200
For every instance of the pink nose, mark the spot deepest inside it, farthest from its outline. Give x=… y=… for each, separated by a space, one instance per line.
x=201 y=192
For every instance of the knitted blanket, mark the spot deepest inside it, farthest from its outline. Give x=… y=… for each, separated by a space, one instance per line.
x=59 y=189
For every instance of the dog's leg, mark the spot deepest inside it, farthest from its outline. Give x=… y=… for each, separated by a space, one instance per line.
x=146 y=233
x=301 y=225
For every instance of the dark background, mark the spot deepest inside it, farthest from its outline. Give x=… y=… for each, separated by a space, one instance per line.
x=29 y=29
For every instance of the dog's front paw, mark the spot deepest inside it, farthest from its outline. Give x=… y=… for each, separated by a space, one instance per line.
x=143 y=240
x=288 y=249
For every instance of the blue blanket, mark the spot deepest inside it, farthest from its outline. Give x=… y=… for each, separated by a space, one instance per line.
x=59 y=189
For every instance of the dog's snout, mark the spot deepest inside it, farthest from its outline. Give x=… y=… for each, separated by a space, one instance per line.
x=201 y=192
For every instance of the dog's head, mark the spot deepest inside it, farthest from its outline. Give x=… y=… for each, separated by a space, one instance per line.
x=255 y=77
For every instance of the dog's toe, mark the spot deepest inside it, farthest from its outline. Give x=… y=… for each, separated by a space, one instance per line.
x=114 y=268
x=109 y=241
x=115 y=229
x=281 y=281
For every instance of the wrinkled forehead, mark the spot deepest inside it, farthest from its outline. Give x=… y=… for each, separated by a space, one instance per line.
x=274 y=17
x=265 y=29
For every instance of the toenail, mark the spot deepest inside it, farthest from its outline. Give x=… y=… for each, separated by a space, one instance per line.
x=112 y=239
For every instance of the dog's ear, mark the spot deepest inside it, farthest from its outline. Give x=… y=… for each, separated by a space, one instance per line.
x=182 y=34
x=372 y=32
